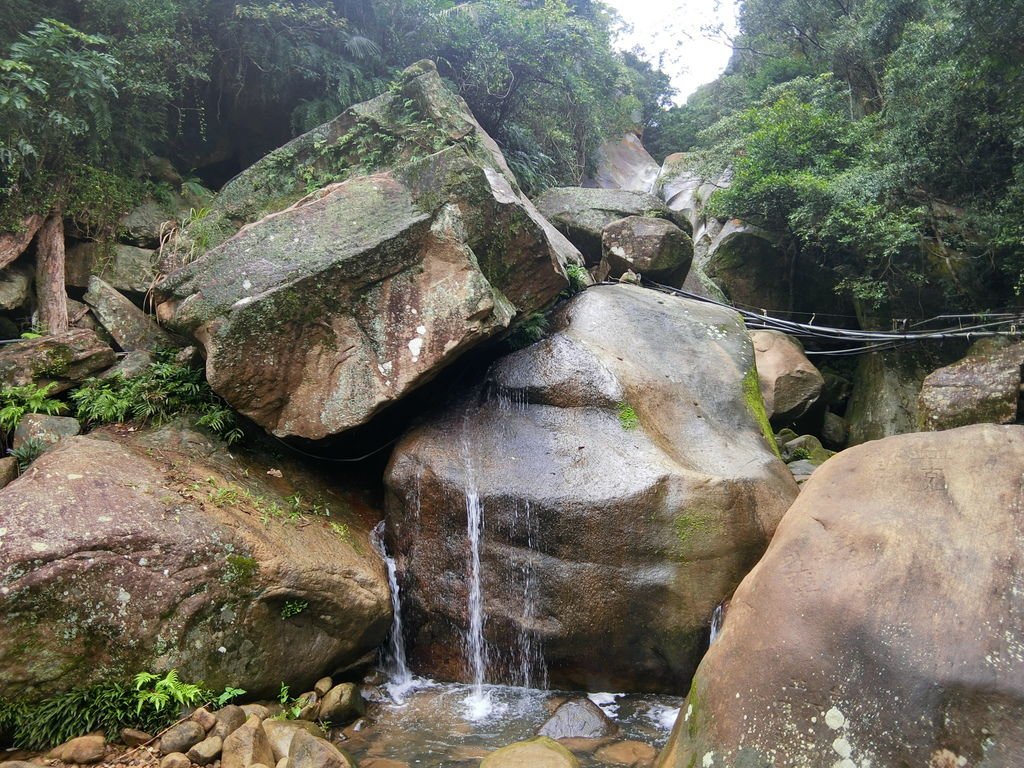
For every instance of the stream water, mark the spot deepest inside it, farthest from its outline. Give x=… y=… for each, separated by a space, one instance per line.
x=430 y=727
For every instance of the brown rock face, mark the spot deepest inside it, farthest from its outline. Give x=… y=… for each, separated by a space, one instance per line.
x=883 y=625
x=62 y=360
x=789 y=382
x=308 y=751
x=625 y=485
x=541 y=752
x=983 y=387
x=166 y=547
x=655 y=248
x=317 y=317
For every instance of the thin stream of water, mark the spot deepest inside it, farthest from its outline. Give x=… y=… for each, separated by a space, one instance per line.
x=395 y=664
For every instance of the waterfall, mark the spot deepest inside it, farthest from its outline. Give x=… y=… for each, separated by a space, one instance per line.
x=532 y=671
x=716 y=622
x=395 y=664
x=476 y=648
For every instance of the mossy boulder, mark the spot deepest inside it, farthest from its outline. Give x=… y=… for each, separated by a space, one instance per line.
x=61 y=360
x=884 y=399
x=983 y=387
x=128 y=269
x=316 y=318
x=627 y=486
x=157 y=550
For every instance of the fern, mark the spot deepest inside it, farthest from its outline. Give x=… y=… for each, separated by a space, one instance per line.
x=15 y=402
x=166 y=389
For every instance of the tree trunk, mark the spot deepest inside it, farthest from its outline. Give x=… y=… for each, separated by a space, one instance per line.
x=50 y=292
x=13 y=244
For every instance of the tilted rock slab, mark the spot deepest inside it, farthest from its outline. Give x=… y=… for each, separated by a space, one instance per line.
x=317 y=317
x=150 y=555
x=623 y=529
x=625 y=164
x=885 y=624
x=790 y=384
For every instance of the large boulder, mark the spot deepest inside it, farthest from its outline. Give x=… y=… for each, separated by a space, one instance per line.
x=316 y=318
x=62 y=360
x=626 y=486
x=581 y=214
x=15 y=286
x=983 y=387
x=540 y=752
x=164 y=551
x=131 y=328
x=883 y=626
x=884 y=400
x=625 y=164
x=654 y=248
x=790 y=384
x=684 y=190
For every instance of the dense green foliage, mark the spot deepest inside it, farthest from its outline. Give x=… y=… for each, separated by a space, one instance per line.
x=90 y=90
x=149 y=703
x=885 y=139
x=164 y=390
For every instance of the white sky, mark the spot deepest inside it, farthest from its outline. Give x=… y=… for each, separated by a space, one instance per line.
x=679 y=32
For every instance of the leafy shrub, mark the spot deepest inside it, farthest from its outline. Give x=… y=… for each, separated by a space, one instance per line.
x=530 y=331
x=579 y=278
x=293 y=608
x=150 y=704
x=164 y=390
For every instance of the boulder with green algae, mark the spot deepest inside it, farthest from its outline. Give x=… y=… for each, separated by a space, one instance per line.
x=317 y=317
x=61 y=360
x=983 y=387
x=627 y=487
x=540 y=752
x=159 y=549
x=883 y=625
x=884 y=399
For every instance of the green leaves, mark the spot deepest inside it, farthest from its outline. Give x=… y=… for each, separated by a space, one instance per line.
x=166 y=389
x=158 y=692
x=15 y=402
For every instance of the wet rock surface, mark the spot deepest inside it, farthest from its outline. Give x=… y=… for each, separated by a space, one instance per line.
x=627 y=487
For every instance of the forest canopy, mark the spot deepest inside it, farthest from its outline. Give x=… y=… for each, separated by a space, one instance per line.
x=91 y=90
x=881 y=137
